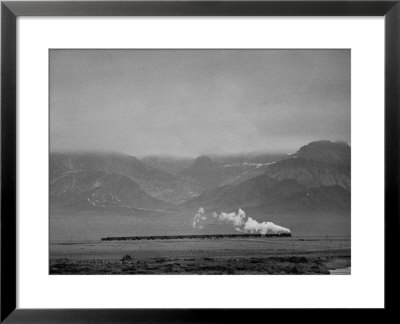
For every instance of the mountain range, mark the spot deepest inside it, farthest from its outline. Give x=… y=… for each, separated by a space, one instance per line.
x=315 y=178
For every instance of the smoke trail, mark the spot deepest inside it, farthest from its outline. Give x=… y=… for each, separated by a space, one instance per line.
x=252 y=226
x=199 y=219
x=237 y=220
x=240 y=221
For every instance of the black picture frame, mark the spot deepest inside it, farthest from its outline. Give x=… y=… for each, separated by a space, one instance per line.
x=11 y=10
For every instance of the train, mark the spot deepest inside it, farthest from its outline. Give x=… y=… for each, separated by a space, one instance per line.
x=194 y=236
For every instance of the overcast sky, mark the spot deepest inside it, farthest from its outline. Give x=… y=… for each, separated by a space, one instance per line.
x=192 y=102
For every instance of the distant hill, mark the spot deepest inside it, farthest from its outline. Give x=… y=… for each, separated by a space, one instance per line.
x=204 y=171
x=117 y=163
x=172 y=165
x=156 y=183
x=212 y=172
x=82 y=189
x=275 y=196
x=325 y=151
x=321 y=163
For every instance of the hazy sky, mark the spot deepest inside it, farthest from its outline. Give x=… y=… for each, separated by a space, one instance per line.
x=192 y=102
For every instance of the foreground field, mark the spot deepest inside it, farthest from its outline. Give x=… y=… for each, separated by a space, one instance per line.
x=302 y=255
x=314 y=263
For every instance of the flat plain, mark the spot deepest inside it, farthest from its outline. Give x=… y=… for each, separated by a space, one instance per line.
x=300 y=255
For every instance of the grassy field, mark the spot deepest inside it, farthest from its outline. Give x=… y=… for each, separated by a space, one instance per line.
x=300 y=255
x=315 y=263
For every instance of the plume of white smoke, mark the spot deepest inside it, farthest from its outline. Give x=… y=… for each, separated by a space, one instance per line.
x=252 y=226
x=240 y=221
x=199 y=218
x=237 y=219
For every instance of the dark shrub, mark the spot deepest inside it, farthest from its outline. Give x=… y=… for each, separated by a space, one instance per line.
x=126 y=257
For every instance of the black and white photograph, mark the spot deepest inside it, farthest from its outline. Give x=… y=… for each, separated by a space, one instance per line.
x=200 y=161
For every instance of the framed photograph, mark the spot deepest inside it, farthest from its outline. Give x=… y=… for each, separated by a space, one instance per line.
x=198 y=161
